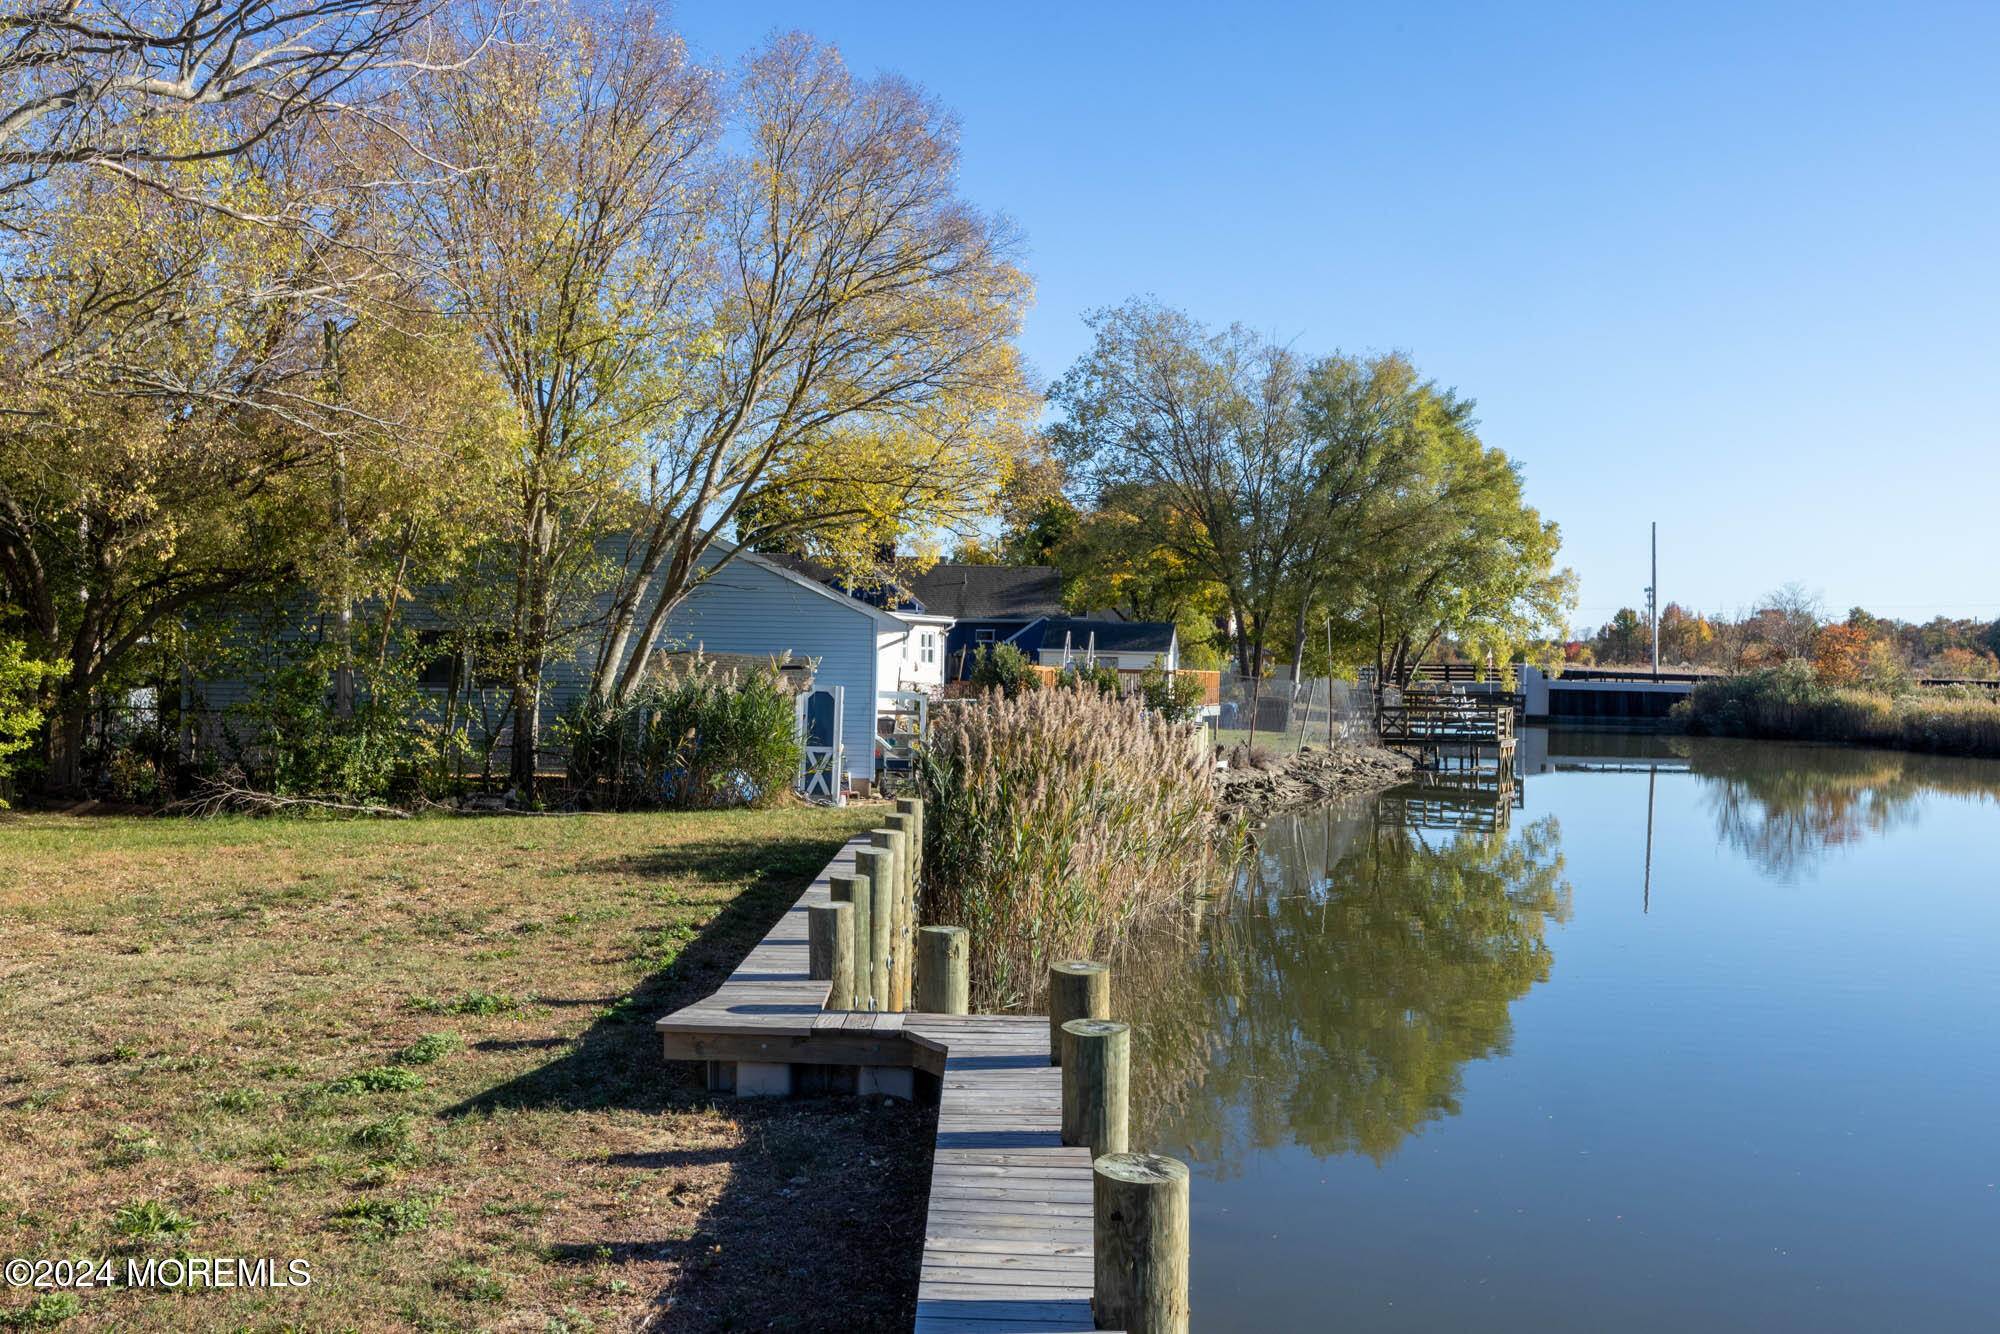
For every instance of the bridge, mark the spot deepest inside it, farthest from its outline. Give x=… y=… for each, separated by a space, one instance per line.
x=1581 y=696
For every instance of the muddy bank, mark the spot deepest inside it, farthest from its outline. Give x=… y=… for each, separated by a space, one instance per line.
x=1313 y=777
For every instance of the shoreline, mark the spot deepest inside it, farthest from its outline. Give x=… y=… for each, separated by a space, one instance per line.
x=1314 y=776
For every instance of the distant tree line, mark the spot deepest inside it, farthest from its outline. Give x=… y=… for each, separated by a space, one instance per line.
x=1790 y=625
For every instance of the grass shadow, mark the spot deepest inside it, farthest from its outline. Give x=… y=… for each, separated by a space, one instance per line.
x=616 y=1061
x=824 y=1196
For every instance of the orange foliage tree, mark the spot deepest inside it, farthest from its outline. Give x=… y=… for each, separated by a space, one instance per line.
x=1839 y=654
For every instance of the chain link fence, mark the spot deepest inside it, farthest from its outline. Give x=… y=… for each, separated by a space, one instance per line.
x=1280 y=716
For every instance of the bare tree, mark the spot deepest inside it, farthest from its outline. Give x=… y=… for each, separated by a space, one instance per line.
x=111 y=83
x=570 y=250
x=855 y=373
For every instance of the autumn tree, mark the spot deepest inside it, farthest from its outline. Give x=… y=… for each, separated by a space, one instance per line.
x=850 y=379
x=1840 y=654
x=1121 y=556
x=1462 y=558
x=1685 y=636
x=1364 y=420
x=571 y=252
x=1966 y=664
x=1208 y=425
x=168 y=435
x=149 y=457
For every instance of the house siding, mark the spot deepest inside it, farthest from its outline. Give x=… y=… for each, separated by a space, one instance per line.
x=748 y=608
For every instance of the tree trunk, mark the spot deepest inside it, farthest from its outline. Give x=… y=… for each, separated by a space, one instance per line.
x=527 y=706
x=343 y=613
x=67 y=725
x=1299 y=641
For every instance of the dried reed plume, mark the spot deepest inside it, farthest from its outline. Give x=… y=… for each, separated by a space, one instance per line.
x=1053 y=819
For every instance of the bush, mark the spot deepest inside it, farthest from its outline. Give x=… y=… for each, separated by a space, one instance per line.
x=1004 y=668
x=695 y=739
x=299 y=747
x=1089 y=676
x=1176 y=696
x=1788 y=703
x=1052 y=818
x=21 y=681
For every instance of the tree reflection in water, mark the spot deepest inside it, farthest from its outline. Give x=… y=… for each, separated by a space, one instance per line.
x=1333 y=997
x=1785 y=807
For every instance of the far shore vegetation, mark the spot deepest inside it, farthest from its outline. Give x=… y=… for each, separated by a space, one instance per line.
x=1785 y=671
x=1791 y=703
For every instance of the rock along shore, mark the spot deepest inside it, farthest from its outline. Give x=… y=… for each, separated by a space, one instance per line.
x=1313 y=777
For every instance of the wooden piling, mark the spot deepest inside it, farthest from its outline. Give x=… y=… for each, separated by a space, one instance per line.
x=906 y=903
x=1078 y=989
x=1096 y=1084
x=879 y=867
x=1139 y=1243
x=830 y=950
x=853 y=891
x=914 y=808
x=895 y=844
x=944 y=977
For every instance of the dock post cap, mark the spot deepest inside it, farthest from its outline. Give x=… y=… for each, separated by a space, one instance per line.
x=1140 y=1169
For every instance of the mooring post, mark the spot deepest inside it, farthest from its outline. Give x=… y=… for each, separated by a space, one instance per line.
x=878 y=867
x=944 y=970
x=853 y=891
x=830 y=950
x=914 y=808
x=1139 y=1243
x=1078 y=989
x=1096 y=1084
x=892 y=842
x=906 y=904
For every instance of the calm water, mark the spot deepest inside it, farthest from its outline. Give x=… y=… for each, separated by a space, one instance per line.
x=1441 y=1069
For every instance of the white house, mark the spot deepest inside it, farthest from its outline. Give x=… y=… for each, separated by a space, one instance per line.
x=760 y=607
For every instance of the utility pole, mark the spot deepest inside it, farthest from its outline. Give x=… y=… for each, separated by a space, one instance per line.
x=1653 y=600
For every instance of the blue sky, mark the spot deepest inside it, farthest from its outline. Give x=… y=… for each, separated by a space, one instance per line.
x=1735 y=268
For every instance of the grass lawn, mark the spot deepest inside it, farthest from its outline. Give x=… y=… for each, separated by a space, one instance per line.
x=419 y=1056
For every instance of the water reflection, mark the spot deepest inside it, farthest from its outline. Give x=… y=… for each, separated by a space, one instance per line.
x=1785 y=808
x=1370 y=950
x=1333 y=997
x=1389 y=966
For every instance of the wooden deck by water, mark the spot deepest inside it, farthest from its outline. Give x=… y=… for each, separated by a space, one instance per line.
x=1007 y=1244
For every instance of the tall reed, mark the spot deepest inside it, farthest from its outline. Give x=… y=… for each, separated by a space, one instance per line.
x=1052 y=819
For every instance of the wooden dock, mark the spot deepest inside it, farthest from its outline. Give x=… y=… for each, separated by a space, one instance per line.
x=1007 y=1236
x=1462 y=720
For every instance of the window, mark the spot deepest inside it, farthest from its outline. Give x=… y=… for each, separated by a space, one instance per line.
x=982 y=636
x=927 y=647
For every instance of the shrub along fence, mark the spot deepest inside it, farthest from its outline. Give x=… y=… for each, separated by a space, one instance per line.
x=690 y=739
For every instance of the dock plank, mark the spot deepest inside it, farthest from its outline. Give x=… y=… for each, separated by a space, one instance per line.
x=1007 y=1232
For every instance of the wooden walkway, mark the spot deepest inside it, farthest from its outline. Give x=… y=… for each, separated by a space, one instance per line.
x=1007 y=1244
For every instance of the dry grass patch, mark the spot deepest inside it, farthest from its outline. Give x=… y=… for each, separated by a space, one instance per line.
x=420 y=1057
